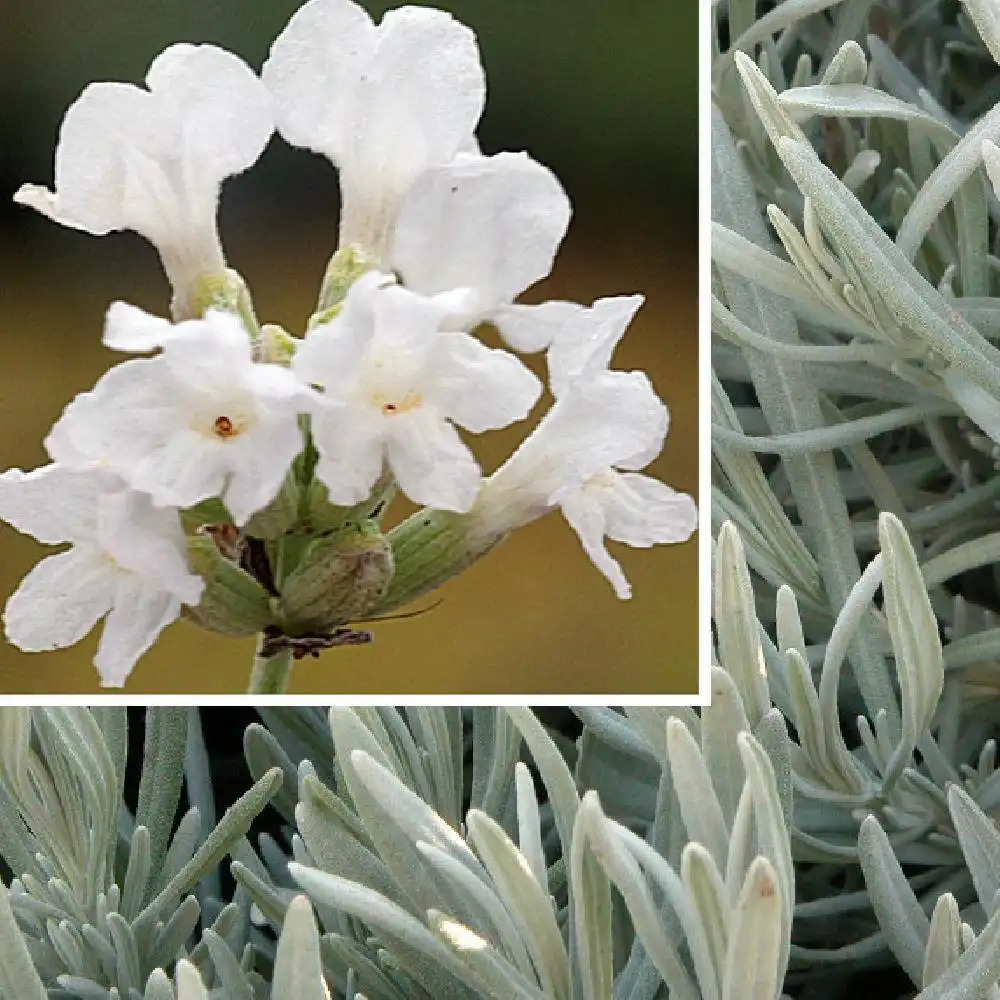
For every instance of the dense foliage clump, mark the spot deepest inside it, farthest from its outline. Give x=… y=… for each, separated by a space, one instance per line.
x=856 y=415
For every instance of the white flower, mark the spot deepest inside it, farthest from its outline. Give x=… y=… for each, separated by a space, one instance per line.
x=127 y=561
x=603 y=422
x=200 y=420
x=394 y=107
x=394 y=385
x=384 y=103
x=488 y=223
x=153 y=160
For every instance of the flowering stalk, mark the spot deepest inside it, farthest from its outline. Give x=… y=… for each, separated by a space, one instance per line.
x=270 y=673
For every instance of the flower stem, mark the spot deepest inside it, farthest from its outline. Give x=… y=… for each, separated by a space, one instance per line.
x=270 y=673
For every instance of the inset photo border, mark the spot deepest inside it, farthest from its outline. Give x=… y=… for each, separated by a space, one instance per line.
x=506 y=509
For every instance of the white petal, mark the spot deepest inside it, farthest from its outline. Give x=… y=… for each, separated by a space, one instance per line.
x=638 y=427
x=401 y=355
x=183 y=469
x=127 y=415
x=579 y=338
x=587 y=343
x=350 y=453
x=641 y=511
x=600 y=422
x=431 y=463
x=597 y=423
x=210 y=355
x=423 y=92
x=44 y=201
x=417 y=103
x=148 y=542
x=152 y=161
x=224 y=109
x=586 y=516
x=64 y=443
x=534 y=328
x=154 y=421
x=60 y=600
x=313 y=73
x=328 y=357
x=376 y=351
x=477 y=387
x=104 y=138
x=383 y=104
x=651 y=446
x=276 y=384
x=118 y=167
x=492 y=223
x=141 y=612
x=129 y=328
x=646 y=512
x=330 y=354
x=259 y=462
x=406 y=320
x=630 y=508
x=54 y=504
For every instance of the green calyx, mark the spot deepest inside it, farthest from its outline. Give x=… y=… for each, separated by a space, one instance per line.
x=429 y=548
x=233 y=602
x=277 y=346
x=281 y=515
x=228 y=291
x=304 y=568
x=338 y=577
x=345 y=267
x=322 y=516
x=309 y=584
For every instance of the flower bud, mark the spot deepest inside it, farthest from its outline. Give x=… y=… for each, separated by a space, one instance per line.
x=339 y=577
x=233 y=602
x=277 y=345
x=344 y=268
x=224 y=290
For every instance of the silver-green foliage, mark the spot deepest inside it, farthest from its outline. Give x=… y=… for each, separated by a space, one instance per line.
x=650 y=858
x=516 y=900
x=856 y=415
x=102 y=898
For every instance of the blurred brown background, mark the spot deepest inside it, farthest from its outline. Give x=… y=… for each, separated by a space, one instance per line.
x=605 y=94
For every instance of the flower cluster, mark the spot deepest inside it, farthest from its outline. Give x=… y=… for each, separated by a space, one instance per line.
x=238 y=474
